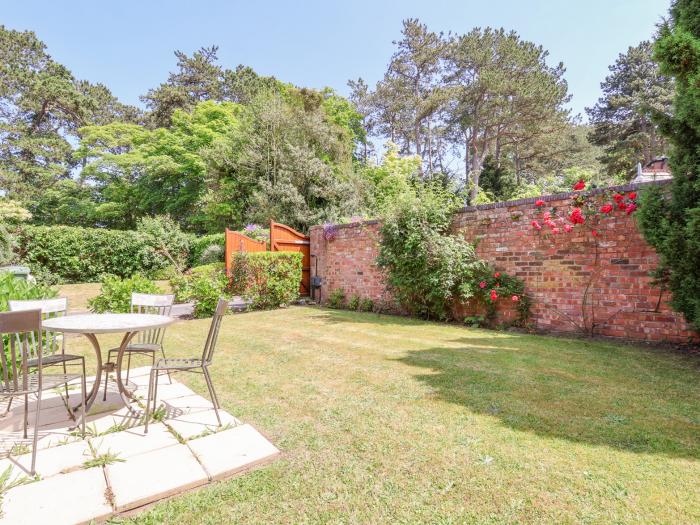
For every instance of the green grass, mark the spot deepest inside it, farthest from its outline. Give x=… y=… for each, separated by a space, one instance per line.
x=392 y=420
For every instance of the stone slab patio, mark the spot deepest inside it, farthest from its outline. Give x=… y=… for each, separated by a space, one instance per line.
x=118 y=468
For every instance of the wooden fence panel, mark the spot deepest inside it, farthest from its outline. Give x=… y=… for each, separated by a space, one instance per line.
x=286 y=239
x=237 y=242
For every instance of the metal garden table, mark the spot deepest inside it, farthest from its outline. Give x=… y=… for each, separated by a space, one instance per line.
x=90 y=325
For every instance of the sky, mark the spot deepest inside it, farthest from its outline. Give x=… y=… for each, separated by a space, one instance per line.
x=128 y=45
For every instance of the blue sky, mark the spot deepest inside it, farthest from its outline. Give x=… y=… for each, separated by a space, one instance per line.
x=128 y=45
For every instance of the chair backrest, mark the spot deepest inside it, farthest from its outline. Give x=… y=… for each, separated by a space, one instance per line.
x=210 y=345
x=19 y=331
x=146 y=303
x=50 y=308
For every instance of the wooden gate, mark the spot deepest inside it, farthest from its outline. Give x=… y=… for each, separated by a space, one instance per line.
x=285 y=239
x=237 y=242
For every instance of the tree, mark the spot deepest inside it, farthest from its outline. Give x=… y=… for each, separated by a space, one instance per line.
x=673 y=226
x=622 y=119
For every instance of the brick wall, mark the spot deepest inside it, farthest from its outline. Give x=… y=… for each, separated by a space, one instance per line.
x=557 y=269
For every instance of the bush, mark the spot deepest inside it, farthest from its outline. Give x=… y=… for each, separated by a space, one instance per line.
x=13 y=288
x=354 y=302
x=115 y=293
x=213 y=253
x=198 y=245
x=203 y=286
x=336 y=299
x=366 y=305
x=428 y=269
x=166 y=239
x=77 y=254
x=266 y=279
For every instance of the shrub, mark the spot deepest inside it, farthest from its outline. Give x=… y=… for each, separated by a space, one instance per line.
x=366 y=305
x=77 y=254
x=115 y=293
x=489 y=285
x=336 y=299
x=213 y=253
x=198 y=245
x=203 y=286
x=166 y=239
x=267 y=279
x=354 y=302
x=427 y=268
x=13 y=288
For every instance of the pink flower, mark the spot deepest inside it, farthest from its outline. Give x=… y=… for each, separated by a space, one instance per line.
x=606 y=208
x=568 y=228
x=546 y=215
x=494 y=295
x=536 y=225
x=497 y=275
x=557 y=230
x=539 y=202
x=630 y=208
x=482 y=284
x=515 y=298
x=581 y=184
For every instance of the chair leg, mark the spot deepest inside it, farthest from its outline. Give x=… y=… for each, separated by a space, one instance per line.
x=9 y=405
x=82 y=410
x=64 y=373
x=128 y=367
x=162 y=351
x=155 y=391
x=26 y=414
x=148 y=401
x=36 y=432
x=212 y=394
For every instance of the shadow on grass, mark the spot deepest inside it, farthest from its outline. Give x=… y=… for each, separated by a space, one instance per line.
x=618 y=396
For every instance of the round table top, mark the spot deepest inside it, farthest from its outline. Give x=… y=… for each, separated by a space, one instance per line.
x=106 y=323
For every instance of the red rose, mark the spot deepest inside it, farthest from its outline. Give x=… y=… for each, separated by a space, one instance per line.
x=606 y=208
x=621 y=205
x=630 y=208
x=482 y=284
x=581 y=184
x=556 y=230
x=632 y=195
x=497 y=285
x=539 y=202
x=536 y=225
x=576 y=217
x=568 y=228
x=515 y=298
x=497 y=275
x=494 y=295
x=594 y=233
x=618 y=197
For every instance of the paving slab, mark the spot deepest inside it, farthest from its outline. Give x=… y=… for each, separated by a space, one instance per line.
x=231 y=451
x=189 y=425
x=133 y=442
x=55 y=460
x=154 y=475
x=191 y=403
x=66 y=499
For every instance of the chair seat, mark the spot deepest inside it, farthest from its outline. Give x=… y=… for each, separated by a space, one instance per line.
x=177 y=364
x=53 y=359
x=139 y=347
x=48 y=382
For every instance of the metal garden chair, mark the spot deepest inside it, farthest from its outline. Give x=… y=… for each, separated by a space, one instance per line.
x=148 y=342
x=51 y=356
x=21 y=343
x=197 y=365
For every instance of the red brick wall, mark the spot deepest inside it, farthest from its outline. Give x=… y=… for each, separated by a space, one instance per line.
x=557 y=269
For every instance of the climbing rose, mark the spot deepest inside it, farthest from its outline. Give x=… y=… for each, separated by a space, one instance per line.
x=497 y=275
x=630 y=207
x=607 y=208
x=539 y=202
x=621 y=205
x=536 y=225
x=515 y=298
x=595 y=233
x=632 y=195
x=556 y=230
x=576 y=217
x=494 y=295
x=497 y=285
x=482 y=284
x=568 y=228
x=546 y=215
x=581 y=184
x=618 y=197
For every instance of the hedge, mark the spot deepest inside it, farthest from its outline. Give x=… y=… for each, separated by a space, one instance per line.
x=77 y=254
x=266 y=279
x=200 y=244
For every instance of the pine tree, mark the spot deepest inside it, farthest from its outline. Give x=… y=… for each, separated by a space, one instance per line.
x=673 y=226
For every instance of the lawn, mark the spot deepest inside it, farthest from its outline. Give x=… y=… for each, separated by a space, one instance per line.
x=391 y=420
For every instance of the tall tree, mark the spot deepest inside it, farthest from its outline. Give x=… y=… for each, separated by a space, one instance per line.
x=622 y=120
x=673 y=226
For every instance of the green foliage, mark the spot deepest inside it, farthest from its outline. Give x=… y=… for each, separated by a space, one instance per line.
x=115 y=293
x=203 y=285
x=201 y=243
x=366 y=305
x=13 y=288
x=672 y=225
x=354 y=302
x=267 y=279
x=166 y=239
x=428 y=269
x=85 y=254
x=505 y=286
x=336 y=299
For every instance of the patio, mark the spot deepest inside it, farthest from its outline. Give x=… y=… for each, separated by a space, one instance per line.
x=117 y=467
